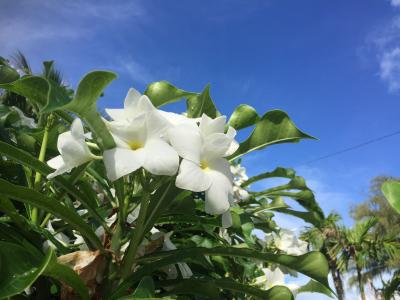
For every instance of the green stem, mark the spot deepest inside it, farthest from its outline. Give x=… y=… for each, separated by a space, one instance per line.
x=42 y=155
x=130 y=254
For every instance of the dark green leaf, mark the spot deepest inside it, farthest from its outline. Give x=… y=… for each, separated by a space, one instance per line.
x=7 y=74
x=34 y=88
x=145 y=288
x=37 y=199
x=243 y=116
x=19 y=268
x=273 y=128
x=28 y=160
x=312 y=264
x=275 y=293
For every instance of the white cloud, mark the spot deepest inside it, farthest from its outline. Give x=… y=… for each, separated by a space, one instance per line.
x=390 y=68
x=27 y=24
x=384 y=42
x=395 y=3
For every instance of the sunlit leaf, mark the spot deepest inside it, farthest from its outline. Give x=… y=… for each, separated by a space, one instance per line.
x=243 y=116
x=7 y=74
x=273 y=128
x=162 y=92
x=391 y=190
x=201 y=103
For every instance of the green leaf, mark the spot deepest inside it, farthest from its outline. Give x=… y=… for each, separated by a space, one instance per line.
x=273 y=128
x=162 y=92
x=68 y=276
x=275 y=293
x=391 y=190
x=89 y=90
x=7 y=74
x=57 y=97
x=37 y=199
x=192 y=287
x=315 y=287
x=312 y=264
x=201 y=103
x=28 y=160
x=278 y=172
x=145 y=288
x=19 y=268
x=243 y=116
x=34 y=88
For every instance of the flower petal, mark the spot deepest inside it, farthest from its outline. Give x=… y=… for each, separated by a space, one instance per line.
x=131 y=97
x=161 y=158
x=77 y=129
x=209 y=126
x=222 y=166
x=226 y=219
x=234 y=144
x=191 y=177
x=215 y=146
x=56 y=162
x=218 y=194
x=156 y=124
x=116 y=113
x=120 y=162
x=186 y=140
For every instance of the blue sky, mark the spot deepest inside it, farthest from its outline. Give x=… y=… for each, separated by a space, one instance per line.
x=334 y=66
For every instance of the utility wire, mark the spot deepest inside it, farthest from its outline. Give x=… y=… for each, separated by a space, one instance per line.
x=377 y=139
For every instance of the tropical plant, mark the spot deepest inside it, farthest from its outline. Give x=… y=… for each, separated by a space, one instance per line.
x=327 y=238
x=149 y=204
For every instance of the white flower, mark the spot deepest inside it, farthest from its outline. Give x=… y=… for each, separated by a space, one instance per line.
x=73 y=150
x=271 y=278
x=139 y=132
x=61 y=237
x=274 y=277
x=287 y=242
x=239 y=177
x=204 y=167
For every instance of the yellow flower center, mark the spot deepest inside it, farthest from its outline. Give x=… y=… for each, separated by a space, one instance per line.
x=204 y=165
x=134 y=145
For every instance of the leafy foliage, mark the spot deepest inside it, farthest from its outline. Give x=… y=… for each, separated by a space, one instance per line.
x=140 y=236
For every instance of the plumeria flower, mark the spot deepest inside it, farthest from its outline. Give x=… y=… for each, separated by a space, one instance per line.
x=73 y=150
x=204 y=166
x=239 y=177
x=287 y=242
x=273 y=278
x=61 y=237
x=139 y=132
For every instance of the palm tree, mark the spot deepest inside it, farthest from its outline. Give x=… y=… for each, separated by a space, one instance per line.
x=325 y=238
x=20 y=62
x=358 y=250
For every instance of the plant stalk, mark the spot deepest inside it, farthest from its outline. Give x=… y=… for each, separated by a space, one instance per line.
x=42 y=155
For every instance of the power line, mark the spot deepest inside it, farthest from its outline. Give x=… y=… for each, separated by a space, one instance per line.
x=377 y=139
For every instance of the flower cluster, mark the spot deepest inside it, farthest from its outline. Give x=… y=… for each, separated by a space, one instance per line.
x=162 y=143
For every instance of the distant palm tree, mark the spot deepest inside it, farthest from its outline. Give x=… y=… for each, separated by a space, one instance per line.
x=20 y=62
x=358 y=250
x=326 y=237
